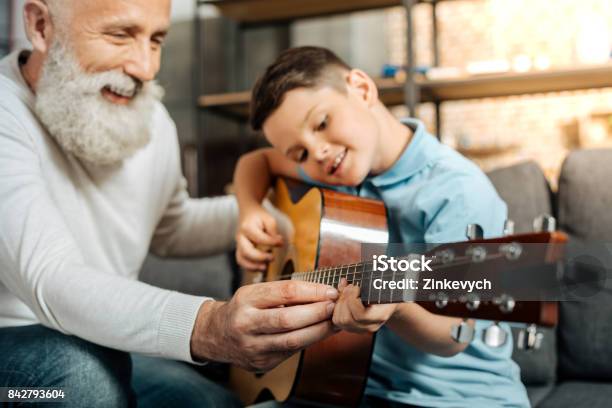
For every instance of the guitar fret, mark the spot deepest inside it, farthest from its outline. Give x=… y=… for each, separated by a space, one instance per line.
x=391 y=289
x=369 y=285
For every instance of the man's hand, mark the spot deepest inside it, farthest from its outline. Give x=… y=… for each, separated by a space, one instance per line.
x=350 y=314
x=256 y=229
x=264 y=323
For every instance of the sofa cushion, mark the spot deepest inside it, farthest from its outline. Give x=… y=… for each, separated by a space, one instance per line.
x=585 y=195
x=537 y=393
x=573 y=394
x=526 y=192
x=210 y=276
x=585 y=329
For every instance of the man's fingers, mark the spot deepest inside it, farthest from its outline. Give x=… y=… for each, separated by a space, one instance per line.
x=284 y=319
x=298 y=339
x=287 y=292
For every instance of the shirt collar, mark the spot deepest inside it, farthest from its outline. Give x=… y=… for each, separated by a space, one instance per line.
x=415 y=157
x=9 y=68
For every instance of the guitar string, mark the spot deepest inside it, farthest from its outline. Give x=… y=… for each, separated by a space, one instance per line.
x=458 y=261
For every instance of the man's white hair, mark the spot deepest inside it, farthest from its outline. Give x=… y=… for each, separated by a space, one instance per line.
x=60 y=11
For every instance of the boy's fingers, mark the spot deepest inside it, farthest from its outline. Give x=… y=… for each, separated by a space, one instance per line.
x=260 y=237
x=249 y=251
x=270 y=227
x=248 y=265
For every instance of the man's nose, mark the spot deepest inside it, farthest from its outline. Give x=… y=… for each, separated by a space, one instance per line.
x=143 y=63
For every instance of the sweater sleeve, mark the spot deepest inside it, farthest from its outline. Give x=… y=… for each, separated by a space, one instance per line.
x=188 y=226
x=41 y=264
x=195 y=227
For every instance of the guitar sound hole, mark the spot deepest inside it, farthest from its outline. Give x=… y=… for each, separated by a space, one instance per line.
x=288 y=269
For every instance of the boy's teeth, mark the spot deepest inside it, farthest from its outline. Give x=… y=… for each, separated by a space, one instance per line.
x=338 y=160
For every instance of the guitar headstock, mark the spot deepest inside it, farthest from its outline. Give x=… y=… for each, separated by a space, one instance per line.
x=521 y=269
x=522 y=261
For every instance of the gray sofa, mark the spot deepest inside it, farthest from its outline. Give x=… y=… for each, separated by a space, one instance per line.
x=573 y=368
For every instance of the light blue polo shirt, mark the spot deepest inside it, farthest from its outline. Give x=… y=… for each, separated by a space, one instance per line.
x=432 y=193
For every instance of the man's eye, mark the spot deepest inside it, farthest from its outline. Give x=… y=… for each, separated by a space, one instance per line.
x=323 y=125
x=119 y=35
x=158 y=41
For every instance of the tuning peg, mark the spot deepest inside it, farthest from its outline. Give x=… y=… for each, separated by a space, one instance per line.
x=445 y=256
x=473 y=302
x=506 y=303
x=545 y=223
x=441 y=300
x=508 y=227
x=512 y=251
x=473 y=231
x=462 y=332
x=494 y=335
x=530 y=338
x=477 y=253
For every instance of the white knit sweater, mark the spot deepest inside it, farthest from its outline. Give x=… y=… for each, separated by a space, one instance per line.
x=73 y=236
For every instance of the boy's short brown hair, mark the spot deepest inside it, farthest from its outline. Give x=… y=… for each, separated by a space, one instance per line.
x=300 y=67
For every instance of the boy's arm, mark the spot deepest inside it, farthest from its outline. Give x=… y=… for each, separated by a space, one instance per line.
x=254 y=173
x=256 y=227
x=426 y=331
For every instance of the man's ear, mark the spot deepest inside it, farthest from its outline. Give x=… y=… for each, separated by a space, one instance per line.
x=362 y=86
x=38 y=25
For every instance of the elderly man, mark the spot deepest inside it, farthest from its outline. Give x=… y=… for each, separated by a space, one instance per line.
x=90 y=182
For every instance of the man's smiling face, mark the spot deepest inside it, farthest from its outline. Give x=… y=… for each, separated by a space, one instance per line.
x=96 y=92
x=108 y=35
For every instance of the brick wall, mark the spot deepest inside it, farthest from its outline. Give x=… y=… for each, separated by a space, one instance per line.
x=499 y=131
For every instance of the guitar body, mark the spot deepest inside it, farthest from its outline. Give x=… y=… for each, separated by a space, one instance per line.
x=323 y=228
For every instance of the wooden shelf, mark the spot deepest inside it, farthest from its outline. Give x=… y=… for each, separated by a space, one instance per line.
x=266 y=11
x=476 y=87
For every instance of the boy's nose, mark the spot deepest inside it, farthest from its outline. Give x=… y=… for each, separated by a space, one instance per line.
x=321 y=152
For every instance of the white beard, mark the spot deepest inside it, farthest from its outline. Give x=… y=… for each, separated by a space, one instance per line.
x=70 y=104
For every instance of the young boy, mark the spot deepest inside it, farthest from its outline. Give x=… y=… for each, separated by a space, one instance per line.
x=328 y=127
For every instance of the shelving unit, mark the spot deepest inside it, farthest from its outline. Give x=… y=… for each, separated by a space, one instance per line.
x=235 y=104
x=416 y=88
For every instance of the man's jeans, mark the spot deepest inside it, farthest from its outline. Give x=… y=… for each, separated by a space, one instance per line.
x=96 y=376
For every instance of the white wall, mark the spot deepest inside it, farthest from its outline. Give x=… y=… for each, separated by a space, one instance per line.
x=20 y=40
x=181 y=10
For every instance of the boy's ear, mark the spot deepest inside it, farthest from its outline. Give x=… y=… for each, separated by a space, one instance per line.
x=38 y=25
x=362 y=86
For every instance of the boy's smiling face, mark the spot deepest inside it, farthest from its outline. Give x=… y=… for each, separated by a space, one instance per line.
x=334 y=136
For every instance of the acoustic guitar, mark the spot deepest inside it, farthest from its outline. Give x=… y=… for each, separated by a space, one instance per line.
x=324 y=231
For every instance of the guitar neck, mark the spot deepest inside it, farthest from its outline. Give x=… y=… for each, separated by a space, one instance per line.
x=469 y=266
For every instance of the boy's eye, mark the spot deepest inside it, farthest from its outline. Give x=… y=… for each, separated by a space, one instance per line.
x=322 y=125
x=301 y=155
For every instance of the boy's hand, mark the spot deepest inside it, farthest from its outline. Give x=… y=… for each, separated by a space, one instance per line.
x=351 y=315
x=256 y=230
